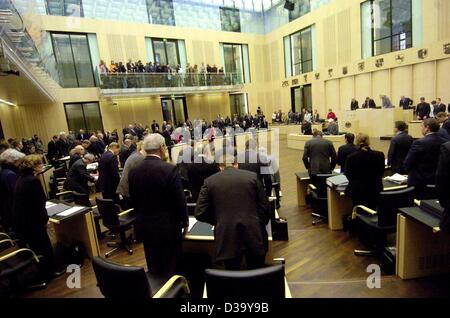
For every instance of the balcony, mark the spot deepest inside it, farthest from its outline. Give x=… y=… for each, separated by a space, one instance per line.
x=133 y=84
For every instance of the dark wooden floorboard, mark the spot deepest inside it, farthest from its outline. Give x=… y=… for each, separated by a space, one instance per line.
x=319 y=262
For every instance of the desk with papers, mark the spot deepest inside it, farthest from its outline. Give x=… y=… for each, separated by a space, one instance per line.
x=73 y=223
x=200 y=239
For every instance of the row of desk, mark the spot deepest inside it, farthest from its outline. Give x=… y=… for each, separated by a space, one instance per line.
x=422 y=250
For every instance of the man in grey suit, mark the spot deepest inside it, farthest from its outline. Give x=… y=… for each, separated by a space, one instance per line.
x=319 y=156
x=386 y=102
x=333 y=127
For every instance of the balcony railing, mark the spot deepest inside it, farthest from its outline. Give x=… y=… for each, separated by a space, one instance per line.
x=166 y=80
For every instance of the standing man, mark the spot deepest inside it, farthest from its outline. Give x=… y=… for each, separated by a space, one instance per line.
x=443 y=185
x=422 y=159
x=405 y=102
x=78 y=178
x=369 y=103
x=155 y=126
x=354 y=104
x=440 y=107
x=423 y=109
x=319 y=156
x=158 y=199
x=386 y=102
x=399 y=148
x=234 y=201
x=346 y=150
x=108 y=169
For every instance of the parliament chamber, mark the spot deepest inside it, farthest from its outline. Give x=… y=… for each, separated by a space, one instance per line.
x=215 y=149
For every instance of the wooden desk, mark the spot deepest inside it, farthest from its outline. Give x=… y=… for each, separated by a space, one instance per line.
x=303 y=180
x=44 y=177
x=415 y=129
x=287 y=129
x=421 y=251
x=200 y=239
x=339 y=204
x=176 y=149
x=297 y=142
x=78 y=227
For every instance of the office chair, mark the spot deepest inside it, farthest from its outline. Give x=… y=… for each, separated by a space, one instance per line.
x=57 y=186
x=319 y=201
x=122 y=281
x=83 y=200
x=263 y=282
x=117 y=222
x=374 y=226
x=429 y=193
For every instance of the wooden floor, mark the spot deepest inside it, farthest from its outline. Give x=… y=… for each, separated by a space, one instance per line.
x=319 y=262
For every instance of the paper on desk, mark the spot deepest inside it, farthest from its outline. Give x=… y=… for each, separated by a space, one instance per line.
x=71 y=211
x=397 y=178
x=192 y=222
x=49 y=204
x=337 y=170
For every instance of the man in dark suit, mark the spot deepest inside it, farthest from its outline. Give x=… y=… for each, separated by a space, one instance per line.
x=422 y=159
x=78 y=177
x=76 y=154
x=346 y=150
x=369 y=103
x=234 y=201
x=125 y=152
x=444 y=132
x=439 y=108
x=83 y=135
x=354 y=104
x=399 y=148
x=52 y=150
x=62 y=145
x=158 y=199
x=155 y=126
x=405 y=102
x=423 y=109
x=443 y=185
x=319 y=155
x=108 y=169
x=364 y=171
x=252 y=160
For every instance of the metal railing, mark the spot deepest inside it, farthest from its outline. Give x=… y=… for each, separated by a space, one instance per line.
x=163 y=80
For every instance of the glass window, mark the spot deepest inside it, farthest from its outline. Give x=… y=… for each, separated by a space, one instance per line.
x=233 y=56
x=174 y=110
x=73 y=59
x=230 y=19
x=83 y=116
x=238 y=104
x=73 y=8
x=301 y=50
x=160 y=12
x=301 y=7
x=166 y=52
x=391 y=22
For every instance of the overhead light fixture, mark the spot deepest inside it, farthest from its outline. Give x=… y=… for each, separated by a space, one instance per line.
x=2 y=101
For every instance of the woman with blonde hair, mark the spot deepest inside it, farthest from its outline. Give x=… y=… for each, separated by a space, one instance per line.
x=29 y=213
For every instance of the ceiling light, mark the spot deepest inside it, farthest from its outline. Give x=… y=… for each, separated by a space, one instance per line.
x=6 y=102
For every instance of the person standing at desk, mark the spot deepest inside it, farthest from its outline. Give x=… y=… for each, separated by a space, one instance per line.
x=405 y=102
x=423 y=109
x=354 y=104
x=9 y=160
x=386 y=102
x=159 y=202
x=240 y=222
x=443 y=185
x=422 y=159
x=319 y=156
x=364 y=171
x=369 y=103
x=346 y=150
x=29 y=213
x=399 y=148
x=108 y=170
x=78 y=177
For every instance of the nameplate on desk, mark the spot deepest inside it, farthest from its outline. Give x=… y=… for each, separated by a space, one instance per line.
x=71 y=211
x=192 y=222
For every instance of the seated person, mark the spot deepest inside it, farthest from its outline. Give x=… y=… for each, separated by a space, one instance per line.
x=307 y=128
x=333 y=128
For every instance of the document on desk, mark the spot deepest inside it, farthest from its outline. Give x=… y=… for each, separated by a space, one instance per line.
x=397 y=178
x=71 y=211
x=49 y=204
x=337 y=170
x=192 y=222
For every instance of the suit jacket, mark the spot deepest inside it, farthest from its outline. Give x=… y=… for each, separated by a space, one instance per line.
x=405 y=103
x=319 y=156
x=333 y=128
x=439 y=108
x=29 y=213
x=154 y=127
x=422 y=160
x=62 y=147
x=364 y=171
x=52 y=150
x=306 y=128
x=235 y=203
x=398 y=150
x=74 y=158
x=423 y=110
x=258 y=163
x=446 y=126
x=124 y=154
x=78 y=177
x=443 y=185
x=369 y=104
x=83 y=136
x=158 y=199
x=343 y=152
x=133 y=161
x=197 y=173
x=108 y=170
x=8 y=179
x=354 y=105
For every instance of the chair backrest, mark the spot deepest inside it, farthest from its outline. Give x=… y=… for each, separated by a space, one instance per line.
x=60 y=172
x=430 y=193
x=82 y=199
x=119 y=281
x=264 y=282
x=389 y=202
x=320 y=182
x=109 y=212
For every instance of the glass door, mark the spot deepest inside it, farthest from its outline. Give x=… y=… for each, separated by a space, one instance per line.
x=301 y=97
x=238 y=104
x=174 y=110
x=85 y=116
x=166 y=52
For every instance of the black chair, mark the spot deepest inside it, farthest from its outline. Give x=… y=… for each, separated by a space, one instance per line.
x=57 y=186
x=121 y=281
x=374 y=226
x=83 y=200
x=319 y=201
x=267 y=282
x=429 y=193
x=117 y=223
